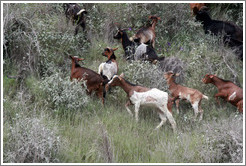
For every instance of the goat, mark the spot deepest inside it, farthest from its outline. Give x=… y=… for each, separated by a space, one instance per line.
x=196 y=5
x=227 y=90
x=147 y=33
x=74 y=12
x=140 y=51
x=181 y=92
x=109 y=68
x=139 y=95
x=231 y=33
x=94 y=81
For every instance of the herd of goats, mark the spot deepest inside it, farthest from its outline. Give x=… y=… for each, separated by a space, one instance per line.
x=141 y=46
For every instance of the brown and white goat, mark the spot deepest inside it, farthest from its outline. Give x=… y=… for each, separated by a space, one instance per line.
x=146 y=34
x=77 y=15
x=181 y=92
x=227 y=90
x=94 y=81
x=139 y=95
x=109 y=68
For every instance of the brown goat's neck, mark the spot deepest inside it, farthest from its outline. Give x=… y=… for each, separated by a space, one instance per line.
x=218 y=82
x=74 y=65
x=154 y=22
x=126 y=86
x=172 y=84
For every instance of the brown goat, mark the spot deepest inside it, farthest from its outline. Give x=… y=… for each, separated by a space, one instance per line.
x=227 y=90
x=181 y=92
x=94 y=81
x=146 y=34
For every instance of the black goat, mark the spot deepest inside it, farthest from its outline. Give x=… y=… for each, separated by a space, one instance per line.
x=231 y=33
x=135 y=50
x=75 y=13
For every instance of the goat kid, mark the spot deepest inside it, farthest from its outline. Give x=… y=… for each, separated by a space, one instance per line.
x=94 y=82
x=147 y=33
x=109 y=68
x=139 y=95
x=227 y=90
x=75 y=13
x=181 y=92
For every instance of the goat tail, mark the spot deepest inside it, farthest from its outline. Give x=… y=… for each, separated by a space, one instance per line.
x=205 y=97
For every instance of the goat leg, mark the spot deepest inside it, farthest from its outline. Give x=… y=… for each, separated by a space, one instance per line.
x=222 y=95
x=162 y=117
x=137 y=105
x=128 y=110
x=177 y=105
x=76 y=30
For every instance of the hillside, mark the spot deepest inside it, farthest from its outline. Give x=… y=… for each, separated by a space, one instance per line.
x=49 y=119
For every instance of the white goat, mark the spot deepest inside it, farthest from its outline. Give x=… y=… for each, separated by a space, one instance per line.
x=139 y=95
x=110 y=67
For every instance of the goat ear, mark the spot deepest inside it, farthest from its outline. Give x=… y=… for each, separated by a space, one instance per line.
x=159 y=18
x=80 y=59
x=211 y=76
x=70 y=56
x=122 y=75
x=114 y=49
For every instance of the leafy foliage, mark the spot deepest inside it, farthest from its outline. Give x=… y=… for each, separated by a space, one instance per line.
x=63 y=92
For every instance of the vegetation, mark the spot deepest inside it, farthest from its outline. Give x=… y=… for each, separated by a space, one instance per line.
x=47 y=118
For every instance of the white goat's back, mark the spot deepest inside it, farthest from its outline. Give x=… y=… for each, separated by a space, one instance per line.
x=140 y=50
x=153 y=97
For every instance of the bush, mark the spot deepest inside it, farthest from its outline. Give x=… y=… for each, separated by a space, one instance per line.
x=223 y=140
x=145 y=74
x=31 y=139
x=64 y=93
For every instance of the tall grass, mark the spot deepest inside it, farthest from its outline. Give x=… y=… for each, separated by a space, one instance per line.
x=47 y=118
